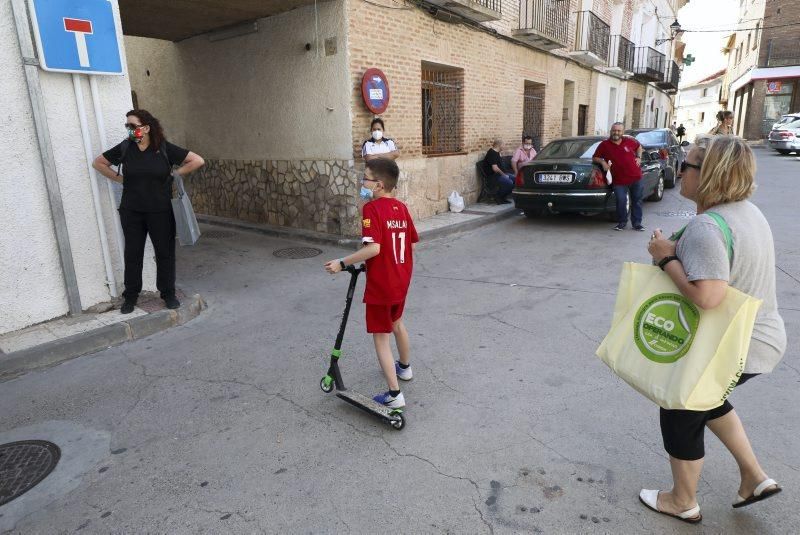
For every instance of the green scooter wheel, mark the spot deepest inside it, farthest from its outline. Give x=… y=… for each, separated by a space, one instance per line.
x=400 y=423
x=326 y=384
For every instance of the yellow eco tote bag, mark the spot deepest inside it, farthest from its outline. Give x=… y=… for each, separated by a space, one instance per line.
x=668 y=349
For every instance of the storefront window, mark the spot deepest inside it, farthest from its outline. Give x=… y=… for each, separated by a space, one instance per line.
x=778 y=102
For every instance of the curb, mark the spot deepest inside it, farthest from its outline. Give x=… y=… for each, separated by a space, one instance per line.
x=280 y=232
x=330 y=239
x=57 y=351
x=468 y=225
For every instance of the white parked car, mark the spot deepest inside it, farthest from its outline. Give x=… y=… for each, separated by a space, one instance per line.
x=785 y=134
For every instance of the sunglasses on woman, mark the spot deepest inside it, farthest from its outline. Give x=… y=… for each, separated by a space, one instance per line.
x=685 y=164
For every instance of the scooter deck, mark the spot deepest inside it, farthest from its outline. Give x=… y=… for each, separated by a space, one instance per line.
x=363 y=402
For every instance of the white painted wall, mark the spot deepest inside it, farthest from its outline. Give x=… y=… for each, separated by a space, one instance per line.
x=255 y=96
x=604 y=114
x=692 y=103
x=31 y=283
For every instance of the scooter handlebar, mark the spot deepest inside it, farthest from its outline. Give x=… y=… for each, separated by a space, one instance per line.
x=354 y=270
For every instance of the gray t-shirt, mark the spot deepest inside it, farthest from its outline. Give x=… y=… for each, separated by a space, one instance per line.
x=704 y=255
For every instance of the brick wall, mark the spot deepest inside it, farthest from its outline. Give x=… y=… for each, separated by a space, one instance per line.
x=780 y=13
x=494 y=73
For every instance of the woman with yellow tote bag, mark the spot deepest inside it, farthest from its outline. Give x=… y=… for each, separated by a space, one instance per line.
x=722 y=265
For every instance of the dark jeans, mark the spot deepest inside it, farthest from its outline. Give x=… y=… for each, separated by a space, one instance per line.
x=621 y=192
x=505 y=183
x=682 y=430
x=161 y=228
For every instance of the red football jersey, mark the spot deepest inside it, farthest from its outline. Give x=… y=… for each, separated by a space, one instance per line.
x=386 y=221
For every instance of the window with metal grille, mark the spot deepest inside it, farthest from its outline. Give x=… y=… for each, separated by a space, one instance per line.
x=533 y=112
x=442 y=112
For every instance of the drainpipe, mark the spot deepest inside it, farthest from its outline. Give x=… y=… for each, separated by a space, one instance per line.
x=110 y=184
x=31 y=68
x=98 y=212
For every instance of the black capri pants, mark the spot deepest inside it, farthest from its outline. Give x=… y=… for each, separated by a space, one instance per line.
x=683 y=430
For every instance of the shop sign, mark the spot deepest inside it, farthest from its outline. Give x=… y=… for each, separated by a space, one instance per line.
x=774 y=86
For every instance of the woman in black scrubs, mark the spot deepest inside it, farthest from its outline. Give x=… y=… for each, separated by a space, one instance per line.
x=146 y=159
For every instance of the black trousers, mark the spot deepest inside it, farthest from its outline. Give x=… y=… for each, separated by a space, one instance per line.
x=161 y=228
x=683 y=430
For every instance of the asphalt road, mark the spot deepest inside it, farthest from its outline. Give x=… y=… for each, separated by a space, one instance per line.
x=514 y=426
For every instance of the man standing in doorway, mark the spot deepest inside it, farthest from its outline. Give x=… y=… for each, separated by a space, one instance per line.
x=623 y=156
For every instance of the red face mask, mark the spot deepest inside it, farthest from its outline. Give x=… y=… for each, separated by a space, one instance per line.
x=135 y=135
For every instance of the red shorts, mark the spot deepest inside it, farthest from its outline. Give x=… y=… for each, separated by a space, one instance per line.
x=381 y=318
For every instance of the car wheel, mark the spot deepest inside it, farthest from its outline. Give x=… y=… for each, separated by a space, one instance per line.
x=658 y=194
x=670 y=177
x=783 y=151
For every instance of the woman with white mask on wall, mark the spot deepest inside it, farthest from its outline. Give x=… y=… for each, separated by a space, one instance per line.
x=379 y=146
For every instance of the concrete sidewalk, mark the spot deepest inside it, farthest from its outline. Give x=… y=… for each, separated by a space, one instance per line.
x=446 y=223
x=62 y=339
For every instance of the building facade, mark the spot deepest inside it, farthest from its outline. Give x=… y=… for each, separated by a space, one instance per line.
x=763 y=65
x=269 y=93
x=697 y=105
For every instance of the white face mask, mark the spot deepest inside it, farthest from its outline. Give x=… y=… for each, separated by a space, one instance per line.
x=527 y=147
x=377 y=135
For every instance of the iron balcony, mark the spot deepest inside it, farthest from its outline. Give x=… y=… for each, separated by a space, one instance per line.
x=543 y=24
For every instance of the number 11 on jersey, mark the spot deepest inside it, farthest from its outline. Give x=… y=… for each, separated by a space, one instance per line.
x=399 y=256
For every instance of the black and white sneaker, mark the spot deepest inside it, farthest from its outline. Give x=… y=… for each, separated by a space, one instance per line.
x=621 y=226
x=640 y=228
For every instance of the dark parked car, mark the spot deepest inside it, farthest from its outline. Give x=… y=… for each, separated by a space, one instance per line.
x=670 y=151
x=562 y=178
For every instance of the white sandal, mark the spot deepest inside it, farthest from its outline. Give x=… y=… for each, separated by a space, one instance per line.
x=650 y=499
x=761 y=493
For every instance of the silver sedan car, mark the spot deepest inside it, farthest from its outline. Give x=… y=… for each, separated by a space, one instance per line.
x=785 y=136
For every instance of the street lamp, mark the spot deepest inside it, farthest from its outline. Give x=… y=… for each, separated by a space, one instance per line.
x=675 y=29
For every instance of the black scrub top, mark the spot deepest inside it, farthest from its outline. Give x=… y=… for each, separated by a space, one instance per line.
x=146 y=184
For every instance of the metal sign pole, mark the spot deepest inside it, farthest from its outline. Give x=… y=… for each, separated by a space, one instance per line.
x=31 y=67
x=111 y=186
x=98 y=210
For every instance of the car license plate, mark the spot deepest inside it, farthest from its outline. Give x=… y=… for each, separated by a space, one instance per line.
x=554 y=178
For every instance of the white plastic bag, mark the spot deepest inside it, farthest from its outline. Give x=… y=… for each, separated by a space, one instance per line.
x=456 y=202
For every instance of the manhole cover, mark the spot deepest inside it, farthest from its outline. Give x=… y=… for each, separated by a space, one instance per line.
x=297 y=252
x=684 y=214
x=218 y=234
x=23 y=465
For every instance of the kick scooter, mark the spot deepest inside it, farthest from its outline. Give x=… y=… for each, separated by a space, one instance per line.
x=333 y=379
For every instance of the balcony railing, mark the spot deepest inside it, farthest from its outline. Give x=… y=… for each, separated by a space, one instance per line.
x=543 y=23
x=476 y=10
x=782 y=52
x=621 y=54
x=648 y=64
x=672 y=77
x=591 y=39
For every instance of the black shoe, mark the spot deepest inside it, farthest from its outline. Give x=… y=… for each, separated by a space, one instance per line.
x=621 y=226
x=503 y=201
x=127 y=306
x=172 y=302
x=640 y=228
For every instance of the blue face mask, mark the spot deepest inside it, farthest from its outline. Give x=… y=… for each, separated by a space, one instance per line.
x=365 y=193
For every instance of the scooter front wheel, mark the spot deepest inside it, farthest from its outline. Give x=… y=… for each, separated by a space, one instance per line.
x=400 y=423
x=326 y=384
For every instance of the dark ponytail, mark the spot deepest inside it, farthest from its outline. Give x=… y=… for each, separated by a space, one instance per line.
x=157 y=138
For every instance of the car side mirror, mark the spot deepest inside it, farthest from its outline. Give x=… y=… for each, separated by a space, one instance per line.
x=685 y=143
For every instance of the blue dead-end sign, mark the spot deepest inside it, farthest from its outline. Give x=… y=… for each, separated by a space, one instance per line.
x=76 y=36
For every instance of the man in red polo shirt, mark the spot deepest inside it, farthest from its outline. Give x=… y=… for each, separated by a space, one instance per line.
x=623 y=156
